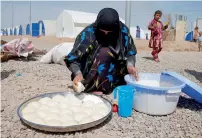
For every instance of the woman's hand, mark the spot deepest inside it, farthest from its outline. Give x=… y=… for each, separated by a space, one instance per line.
x=78 y=78
x=133 y=71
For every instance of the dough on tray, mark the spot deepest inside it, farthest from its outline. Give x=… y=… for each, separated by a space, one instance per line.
x=44 y=107
x=55 y=110
x=96 y=116
x=88 y=110
x=52 y=104
x=86 y=120
x=90 y=104
x=34 y=104
x=66 y=111
x=30 y=116
x=80 y=116
x=58 y=98
x=43 y=113
x=66 y=117
x=38 y=121
x=69 y=123
x=52 y=116
x=28 y=109
x=44 y=100
x=53 y=122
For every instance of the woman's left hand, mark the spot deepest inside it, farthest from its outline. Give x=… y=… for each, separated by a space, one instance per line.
x=133 y=71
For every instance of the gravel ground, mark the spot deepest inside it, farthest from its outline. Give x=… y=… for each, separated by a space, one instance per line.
x=22 y=80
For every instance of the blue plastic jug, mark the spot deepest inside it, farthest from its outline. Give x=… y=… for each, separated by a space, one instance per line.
x=125 y=99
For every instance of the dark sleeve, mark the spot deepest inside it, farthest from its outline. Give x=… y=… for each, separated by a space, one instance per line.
x=76 y=59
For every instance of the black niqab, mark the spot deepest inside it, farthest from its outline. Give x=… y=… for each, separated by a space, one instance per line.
x=107 y=19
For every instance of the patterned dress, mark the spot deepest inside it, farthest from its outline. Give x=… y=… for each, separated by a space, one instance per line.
x=102 y=68
x=156 y=39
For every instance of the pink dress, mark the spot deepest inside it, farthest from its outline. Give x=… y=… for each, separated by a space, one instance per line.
x=156 y=39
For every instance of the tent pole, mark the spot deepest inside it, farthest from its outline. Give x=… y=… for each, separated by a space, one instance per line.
x=30 y=18
x=128 y=13
x=12 y=19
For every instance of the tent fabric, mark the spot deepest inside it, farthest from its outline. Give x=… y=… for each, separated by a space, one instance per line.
x=35 y=29
x=16 y=30
x=47 y=27
x=28 y=29
x=7 y=31
x=22 y=30
x=189 y=36
x=11 y=31
x=70 y=23
x=141 y=35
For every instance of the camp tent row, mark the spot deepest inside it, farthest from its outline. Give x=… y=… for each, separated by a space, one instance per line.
x=68 y=24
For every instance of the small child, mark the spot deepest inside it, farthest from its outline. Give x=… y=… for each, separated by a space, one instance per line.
x=196 y=33
x=156 y=40
x=200 y=41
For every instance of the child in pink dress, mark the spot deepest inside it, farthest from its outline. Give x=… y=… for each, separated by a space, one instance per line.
x=156 y=40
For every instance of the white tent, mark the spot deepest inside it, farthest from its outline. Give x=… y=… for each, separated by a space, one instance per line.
x=8 y=31
x=16 y=30
x=133 y=31
x=22 y=29
x=70 y=23
x=47 y=27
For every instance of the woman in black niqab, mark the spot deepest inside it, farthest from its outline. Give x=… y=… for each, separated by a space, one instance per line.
x=103 y=54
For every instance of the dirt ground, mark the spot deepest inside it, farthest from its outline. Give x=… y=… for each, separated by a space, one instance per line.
x=47 y=42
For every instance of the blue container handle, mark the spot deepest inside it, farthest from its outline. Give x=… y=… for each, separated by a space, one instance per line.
x=115 y=92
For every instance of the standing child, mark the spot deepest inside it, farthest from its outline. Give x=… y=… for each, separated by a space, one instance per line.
x=196 y=34
x=156 y=40
x=200 y=41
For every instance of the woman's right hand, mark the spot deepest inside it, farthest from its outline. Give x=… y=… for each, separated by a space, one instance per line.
x=78 y=78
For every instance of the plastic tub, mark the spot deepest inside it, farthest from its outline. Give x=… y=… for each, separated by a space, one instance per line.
x=156 y=94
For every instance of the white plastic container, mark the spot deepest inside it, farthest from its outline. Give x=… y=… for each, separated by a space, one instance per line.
x=156 y=94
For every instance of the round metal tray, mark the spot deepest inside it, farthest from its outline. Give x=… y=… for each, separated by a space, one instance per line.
x=63 y=128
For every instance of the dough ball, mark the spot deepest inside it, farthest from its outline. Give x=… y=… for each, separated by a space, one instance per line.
x=88 y=110
x=52 y=116
x=86 y=120
x=80 y=116
x=64 y=105
x=96 y=116
x=58 y=98
x=35 y=104
x=55 y=110
x=88 y=104
x=101 y=105
x=102 y=110
x=76 y=109
x=73 y=100
x=69 y=123
x=53 y=122
x=30 y=116
x=39 y=121
x=80 y=87
x=44 y=107
x=44 y=100
x=28 y=109
x=92 y=98
x=66 y=117
x=66 y=111
x=43 y=113
x=52 y=104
